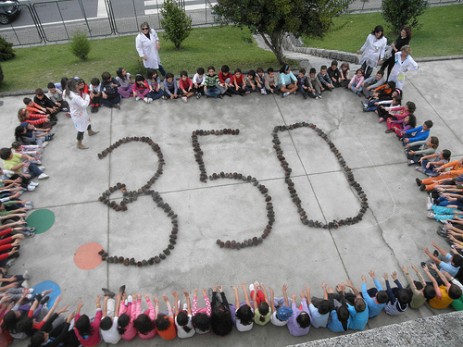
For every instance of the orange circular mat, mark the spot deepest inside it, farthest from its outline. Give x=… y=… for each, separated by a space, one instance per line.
x=86 y=256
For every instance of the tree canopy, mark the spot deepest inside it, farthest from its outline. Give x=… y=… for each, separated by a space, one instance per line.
x=273 y=18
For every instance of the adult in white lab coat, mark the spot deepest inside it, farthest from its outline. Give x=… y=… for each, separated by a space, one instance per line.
x=403 y=62
x=78 y=102
x=373 y=50
x=147 y=45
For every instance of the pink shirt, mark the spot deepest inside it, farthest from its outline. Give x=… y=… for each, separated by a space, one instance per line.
x=206 y=310
x=151 y=315
x=130 y=331
x=95 y=338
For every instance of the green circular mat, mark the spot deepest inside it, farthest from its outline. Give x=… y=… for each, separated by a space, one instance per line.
x=41 y=220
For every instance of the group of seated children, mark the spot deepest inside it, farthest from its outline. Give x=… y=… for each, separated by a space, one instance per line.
x=122 y=316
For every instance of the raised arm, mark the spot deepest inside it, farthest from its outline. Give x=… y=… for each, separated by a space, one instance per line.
x=246 y=295
x=188 y=301
x=237 y=297
x=175 y=296
x=420 y=276
x=433 y=281
x=272 y=299
x=441 y=276
x=285 y=294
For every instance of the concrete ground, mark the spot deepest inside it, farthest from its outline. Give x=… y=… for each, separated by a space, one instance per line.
x=393 y=231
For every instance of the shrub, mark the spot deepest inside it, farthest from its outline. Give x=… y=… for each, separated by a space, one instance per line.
x=6 y=50
x=1 y=75
x=176 y=23
x=403 y=12
x=80 y=45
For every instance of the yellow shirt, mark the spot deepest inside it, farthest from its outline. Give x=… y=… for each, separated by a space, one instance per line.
x=14 y=161
x=443 y=302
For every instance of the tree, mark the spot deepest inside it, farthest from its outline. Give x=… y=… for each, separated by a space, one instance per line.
x=403 y=12
x=176 y=23
x=80 y=45
x=6 y=50
x=271 y=19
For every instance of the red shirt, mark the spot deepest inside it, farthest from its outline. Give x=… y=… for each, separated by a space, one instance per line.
x=223 y=77
x=239 y=80
x=170 y=333
x=185 y=85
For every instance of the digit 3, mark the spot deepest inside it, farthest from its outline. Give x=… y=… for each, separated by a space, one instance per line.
x=131 y=196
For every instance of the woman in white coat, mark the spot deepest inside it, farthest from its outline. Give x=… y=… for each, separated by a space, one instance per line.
x=373 y=50
x=78 y=102
x=403 y=62
x=147 y=45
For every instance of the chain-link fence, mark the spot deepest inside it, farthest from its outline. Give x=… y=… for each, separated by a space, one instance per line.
x=57 y=20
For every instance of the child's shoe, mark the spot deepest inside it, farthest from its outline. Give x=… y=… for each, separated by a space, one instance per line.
x=185 y=99
x=137 y=98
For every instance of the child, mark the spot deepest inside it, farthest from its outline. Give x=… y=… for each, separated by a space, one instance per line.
x=183 y=319
x=455 y=169
x=201 y=316
x=288 y=82
x=260 y=80
x=186 y=86
x=211 y=84
x=324 y=78
x=339 y=316
x=221 y=321
x=250 y=81
x=280 y=308
x=381 y=94
x=417 y=134
x=271 y=82
x=125 y=81
x=34 y=151
x=239 y=84
x=154 y=83
x=110 y=315
x=34 y=108
x=56 y=96
x=165 y=322
x=450 y=262
x=399 y=298
x=144 y=323
x=20 y=163
x=358 y=310
x=243 y=313
x=320 y=314
x=109 y=93
x=33 y=118
x=141 y=89
x=127 y=315
x=299 y=322
x=87 y=331
x=427 y=148
x=316 y=85
x=376 y=298
x=305 y=87
x=170 y=87
x=41 y=99
x=198 y=82
x=334 y=73
x=445 y=293
x=372 y=82
x=344 y=74
x=401 y=126
x=421 y=291
x=262 y=313
x=430 y=163
x=355 y=84
x=392 y=110
x=225 y=80
x=95 y=95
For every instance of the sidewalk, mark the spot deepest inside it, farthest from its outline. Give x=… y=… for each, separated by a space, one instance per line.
x=393 y=231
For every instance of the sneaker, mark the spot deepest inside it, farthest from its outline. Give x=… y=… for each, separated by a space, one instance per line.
x=65 y=109
x=430 y=215
x=419 y=169
x=429 y=206
x=185 y=99
x=41 y=167
x=320 y=96
x=150 y=100
x=137 y=98
x=28 y=234
x=30 y=188
x=380 y=120
x=164 y=97
x=32 y=183
x=29 y=229
x=45 y=144
x=26 y=275
x=198 y=95
x=94 y=109
x=411 y=162
x=129 y=299
x=118 y=106
x=25 y=284
x=441 y=231
x=418 y=182
x=263 y=91
x=43 y=176
x=145 y=100
x=284 y=95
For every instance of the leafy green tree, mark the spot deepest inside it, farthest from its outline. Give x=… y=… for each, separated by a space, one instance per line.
x=272 y=19
x=176 y=23
x=80 y=45
x=403 y=12
x=6 y=50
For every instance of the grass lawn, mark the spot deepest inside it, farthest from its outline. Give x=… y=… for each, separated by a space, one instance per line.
x=35 y=67
x=439 y=35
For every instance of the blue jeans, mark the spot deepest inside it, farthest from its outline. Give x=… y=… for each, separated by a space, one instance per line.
x=155 y=94
x=34 y=170
x=356 y=91
x=213 y=92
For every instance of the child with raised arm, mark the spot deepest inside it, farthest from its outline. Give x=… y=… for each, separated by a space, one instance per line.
x=186 y=86
x=183 y=318
x=201 y=315
x=165 y=324
x=320 y=314
x=450 y=262
x=445 y=293
x=144 y=323
x=280 y=308
x=421 y=291
x=88 y=331
x=457 y=304
x=109 y=322
x=358 y=311
x=376 y=298
x=221 y=320
x=262 y=313
x=299 y=322
x=243 y=313
x=399 y=298
x=426 y=148
x=127 y=315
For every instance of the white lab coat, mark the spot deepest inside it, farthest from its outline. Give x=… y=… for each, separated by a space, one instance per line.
x=399 y=69
x=373 y=50
x=148 y=47
x=78 y=109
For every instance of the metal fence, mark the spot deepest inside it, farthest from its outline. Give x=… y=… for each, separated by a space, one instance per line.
x=57 y=20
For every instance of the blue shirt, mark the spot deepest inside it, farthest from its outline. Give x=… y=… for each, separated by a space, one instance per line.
x=358 y=320
x=335 y=324
x=374 y=308
x=447 y=266
x=419 y=134
x=287 y=78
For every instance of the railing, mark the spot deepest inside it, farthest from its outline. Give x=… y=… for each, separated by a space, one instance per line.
x=57 y=20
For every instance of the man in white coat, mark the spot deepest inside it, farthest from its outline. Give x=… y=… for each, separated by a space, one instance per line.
x=147 y=45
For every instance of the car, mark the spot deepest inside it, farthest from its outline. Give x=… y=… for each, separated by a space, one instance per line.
x=9 y=10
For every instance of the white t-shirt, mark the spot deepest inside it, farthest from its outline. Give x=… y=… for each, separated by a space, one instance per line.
x=181 y=333
x=112 y=335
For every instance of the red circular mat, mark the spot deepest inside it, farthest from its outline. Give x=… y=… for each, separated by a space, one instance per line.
x=86 y=256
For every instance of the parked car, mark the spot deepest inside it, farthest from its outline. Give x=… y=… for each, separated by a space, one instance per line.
x=9 y=10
